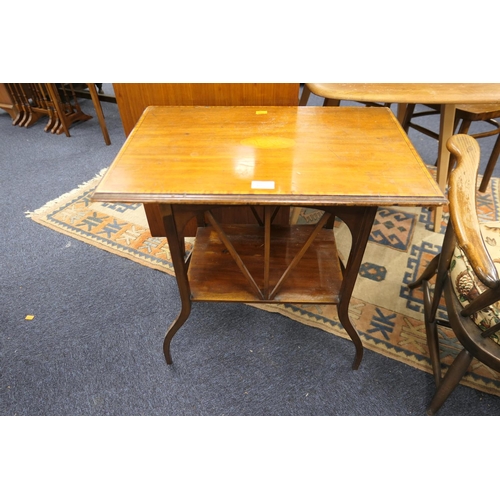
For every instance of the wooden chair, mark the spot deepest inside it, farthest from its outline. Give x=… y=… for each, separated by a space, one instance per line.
x=465 y=272
x=465 y=115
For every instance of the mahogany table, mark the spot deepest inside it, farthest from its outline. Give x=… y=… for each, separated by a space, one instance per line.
x=194 y=161
x=448 y=95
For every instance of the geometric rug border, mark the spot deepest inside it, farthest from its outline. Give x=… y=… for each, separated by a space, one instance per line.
x=49 y=209
x=379 y=346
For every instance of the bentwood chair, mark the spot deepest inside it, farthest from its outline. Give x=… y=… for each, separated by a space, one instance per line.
x=466 y=273
x=465 y=115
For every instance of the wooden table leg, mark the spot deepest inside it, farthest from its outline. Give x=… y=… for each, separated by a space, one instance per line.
x=305 y=95
x=359 y=220
x=100 y=114
x=176 y=247
x=401 y=112
x=446 y=129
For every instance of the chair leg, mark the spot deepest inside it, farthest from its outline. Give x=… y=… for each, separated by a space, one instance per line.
x=100 y=114
x=464 y=127
x=410 y=108
x=431 y=333
x=453 y=376
x=331 y=102
x=427 y=274
x=305 y=96
x=490 y=167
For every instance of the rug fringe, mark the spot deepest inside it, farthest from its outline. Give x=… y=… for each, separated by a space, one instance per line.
x=66 y=196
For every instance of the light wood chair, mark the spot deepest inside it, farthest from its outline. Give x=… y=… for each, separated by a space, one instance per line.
x=465 y=115
x=466 y=273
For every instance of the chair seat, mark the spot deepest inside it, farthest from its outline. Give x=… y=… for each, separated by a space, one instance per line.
x=466 y=284
x=478 y=112
x=473 y=112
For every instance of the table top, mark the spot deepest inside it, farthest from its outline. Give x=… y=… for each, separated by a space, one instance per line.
x=411 y=93
x=284 y=155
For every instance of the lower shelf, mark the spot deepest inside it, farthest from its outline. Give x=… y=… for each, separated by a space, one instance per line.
x=214 y=275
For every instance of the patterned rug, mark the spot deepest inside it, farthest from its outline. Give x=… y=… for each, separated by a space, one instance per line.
x=387 y=315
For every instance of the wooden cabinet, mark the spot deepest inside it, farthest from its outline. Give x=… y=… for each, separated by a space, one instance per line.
x=134 y=98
